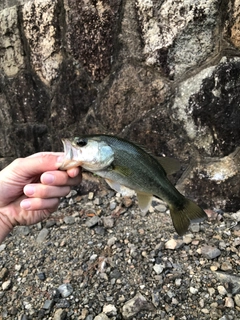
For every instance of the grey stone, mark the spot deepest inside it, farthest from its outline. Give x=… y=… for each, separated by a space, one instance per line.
x=6 y=285
x=161 y=208
x=111 y=241
x=134 y=306
x=210 y=252
x=237 y=299
x=101 y=316
x=108 y=222
x=158 y=268
x=60 y=314
x=92 y=221
x=3 y=273
x=42 y=236
x=48 y=304
x=173 y=244
x=229 y=278
x=69 y=220
x=23 y=230
x=2 y=247
x=110 y=310
x=65 y=290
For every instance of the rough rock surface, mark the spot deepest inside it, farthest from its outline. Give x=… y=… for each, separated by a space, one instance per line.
x=163 y=74
x=137 y=269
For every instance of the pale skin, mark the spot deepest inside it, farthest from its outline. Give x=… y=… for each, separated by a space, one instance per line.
x=30 y=189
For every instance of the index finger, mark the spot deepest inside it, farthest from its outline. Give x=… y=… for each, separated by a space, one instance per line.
x=60 y=157
x=36 y=164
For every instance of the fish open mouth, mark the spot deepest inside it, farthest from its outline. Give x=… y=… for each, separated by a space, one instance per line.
x=69 y=154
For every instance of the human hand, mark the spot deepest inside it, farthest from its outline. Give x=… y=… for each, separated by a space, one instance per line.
x=30 y=189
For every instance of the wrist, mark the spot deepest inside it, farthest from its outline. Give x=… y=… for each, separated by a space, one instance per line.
x=5 y=226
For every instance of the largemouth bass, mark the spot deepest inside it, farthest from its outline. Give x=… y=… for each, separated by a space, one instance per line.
x=122 y=163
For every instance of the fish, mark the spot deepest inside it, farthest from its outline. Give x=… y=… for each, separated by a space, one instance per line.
x=125 y=164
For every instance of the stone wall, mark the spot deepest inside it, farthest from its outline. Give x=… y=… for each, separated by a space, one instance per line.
x=165 y=74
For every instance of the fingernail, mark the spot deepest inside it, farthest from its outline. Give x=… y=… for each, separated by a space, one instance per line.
x=29 y=190
x=25 y=204
x=48 y=178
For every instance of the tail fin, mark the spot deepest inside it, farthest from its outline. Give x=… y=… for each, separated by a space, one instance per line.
x=183 y=217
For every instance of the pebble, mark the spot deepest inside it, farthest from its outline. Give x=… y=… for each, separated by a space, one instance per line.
x=92 y=221
x=111 y=241
x=156 y=298
x=226 y=266
x=71 y=194
x=221 y=290
x=108 y=222
x=134 y=305
x=110 y=310
x=90 y=195
x=6 y=285
x=127 y=202
x=178 y=282
x=41 y=276
x=187 y=239
x=65 y=290
x=229 y=303
x=236 y=216
x=158 y=268
x=3 y=273
x=101 y=316
x=237 y=299
x=210 y=252
x=42 y=235
x=173 y=244
x=97 y=201
x=93 y=257
x=23 y=230
x=60 y=314
x=17 y=267
x=205 y=311
x=211 y=291
x=161 y=208
x=2 y=247
x=193 y=290
x=50 y=223
x=48 y=304
x=112 y=205
x=234 y=281
x=63 y=304
x=194 y=227
x=69 y=220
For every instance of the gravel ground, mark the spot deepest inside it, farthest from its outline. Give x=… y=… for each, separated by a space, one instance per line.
x=99 y=258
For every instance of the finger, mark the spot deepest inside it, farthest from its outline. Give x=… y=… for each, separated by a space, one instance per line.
x=39 y=190
x=39 y=154
x=40 y=204
x=36 y=164
x=59 y=178
x=74 y=172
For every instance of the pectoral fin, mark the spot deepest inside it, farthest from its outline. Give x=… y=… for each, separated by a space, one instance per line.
x=144 y=201
x=114 y=185
x=119 y=188
x=123 y=171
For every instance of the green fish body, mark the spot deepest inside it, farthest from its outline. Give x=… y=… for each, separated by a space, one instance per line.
x=122 y=163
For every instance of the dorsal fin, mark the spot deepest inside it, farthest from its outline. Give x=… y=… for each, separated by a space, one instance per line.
x=170 y=165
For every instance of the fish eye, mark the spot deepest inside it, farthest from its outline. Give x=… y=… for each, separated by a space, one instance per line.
x=81 y=142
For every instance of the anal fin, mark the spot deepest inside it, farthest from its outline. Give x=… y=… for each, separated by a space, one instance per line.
x=144 y=201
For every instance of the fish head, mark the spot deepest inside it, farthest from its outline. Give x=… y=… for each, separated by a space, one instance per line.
x=89 y=153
